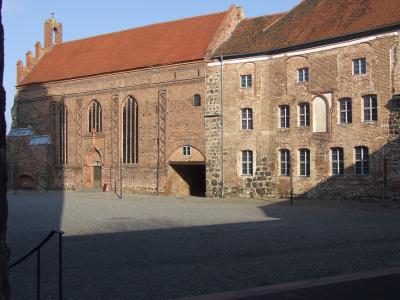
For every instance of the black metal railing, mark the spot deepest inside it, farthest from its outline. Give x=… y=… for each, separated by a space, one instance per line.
x=38 y=264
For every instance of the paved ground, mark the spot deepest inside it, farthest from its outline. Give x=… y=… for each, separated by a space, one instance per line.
x=145 y=247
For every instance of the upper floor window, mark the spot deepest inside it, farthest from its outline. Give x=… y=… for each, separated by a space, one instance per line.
x=361 y=160
x=247 y=162
x=304 y=114
x=63 y=135
x=346 y=115
x=304 y=162
x=359 y=66
x=187 y=151
x=130 y=131
x=337 y=161
x=247 y=119
x=370 y=108
x=303 y=74
x=284 y=114
x=285 y=162
x=95 y=117
x=245 y=81
x=196 y=100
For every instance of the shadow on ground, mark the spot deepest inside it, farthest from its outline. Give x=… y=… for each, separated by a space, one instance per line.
x=167 y=248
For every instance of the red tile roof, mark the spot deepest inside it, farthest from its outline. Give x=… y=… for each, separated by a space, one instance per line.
x=159 y=44
x=312 y=21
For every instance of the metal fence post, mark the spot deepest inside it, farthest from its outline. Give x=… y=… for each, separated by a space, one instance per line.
x=38 y=275
x=60 y=255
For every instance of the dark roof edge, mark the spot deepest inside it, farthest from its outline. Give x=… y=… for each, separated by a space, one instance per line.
x=312 y=44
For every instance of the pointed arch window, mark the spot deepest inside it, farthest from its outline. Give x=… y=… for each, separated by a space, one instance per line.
x=130 y=131
x=95 y=117
x=63 y=135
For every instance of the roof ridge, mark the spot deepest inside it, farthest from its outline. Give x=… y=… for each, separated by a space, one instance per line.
x=265 y=16
x=140 y=27
x=287 y=13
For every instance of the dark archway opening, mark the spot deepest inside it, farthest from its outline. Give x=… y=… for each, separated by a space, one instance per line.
x=195 y=176
x=26 y=182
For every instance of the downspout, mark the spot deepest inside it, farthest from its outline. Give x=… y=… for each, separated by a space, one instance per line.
x=222 y=127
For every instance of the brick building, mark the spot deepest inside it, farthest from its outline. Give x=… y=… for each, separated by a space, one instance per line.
x=307 y=101
x=117 y=110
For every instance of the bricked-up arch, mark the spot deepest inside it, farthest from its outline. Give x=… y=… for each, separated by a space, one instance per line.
x=95 y=117
x=320 y=115
x=63 y=135
x=130 y=131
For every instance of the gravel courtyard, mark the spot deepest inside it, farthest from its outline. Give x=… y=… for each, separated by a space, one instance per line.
x=145 y=247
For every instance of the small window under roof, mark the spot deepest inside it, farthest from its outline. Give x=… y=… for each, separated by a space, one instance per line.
x=40 y=140
x=17 y=132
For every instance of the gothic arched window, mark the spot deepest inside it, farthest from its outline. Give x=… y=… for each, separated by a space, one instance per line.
x=130 y=131
x=63 y=134
x=95 y=117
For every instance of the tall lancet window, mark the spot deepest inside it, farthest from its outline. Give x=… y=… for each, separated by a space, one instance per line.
x=130 y=131
x=95 y=117
x=63 y=134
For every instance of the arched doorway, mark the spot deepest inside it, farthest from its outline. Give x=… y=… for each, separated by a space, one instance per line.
x=93 y=169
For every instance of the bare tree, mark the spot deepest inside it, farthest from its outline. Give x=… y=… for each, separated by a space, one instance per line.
x=4 y=251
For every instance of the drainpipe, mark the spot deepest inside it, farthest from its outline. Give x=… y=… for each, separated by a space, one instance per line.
x=222 y=127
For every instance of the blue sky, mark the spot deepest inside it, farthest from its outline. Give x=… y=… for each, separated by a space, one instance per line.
x=23 y=21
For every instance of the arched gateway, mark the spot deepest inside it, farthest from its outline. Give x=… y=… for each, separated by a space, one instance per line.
x=186 y=172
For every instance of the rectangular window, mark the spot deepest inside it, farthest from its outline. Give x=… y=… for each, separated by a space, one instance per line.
x=285 y=162
x=359 y=66
x=245 y=81
x=370 y=108
x=247 y=162
x=304 y=162
x=247 y=119
x=284 y=113
x=304 y=114
x=337 y=161
x=303 y=74
x=187 y=151
x=361 y=161
x=346 y=115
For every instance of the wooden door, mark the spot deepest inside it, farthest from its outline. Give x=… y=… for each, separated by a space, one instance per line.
x=96 y=177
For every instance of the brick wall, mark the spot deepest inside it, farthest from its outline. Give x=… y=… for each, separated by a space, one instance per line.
x=275 y=83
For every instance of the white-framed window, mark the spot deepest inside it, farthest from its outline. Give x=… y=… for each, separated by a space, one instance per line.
x=361 y=166
x=187 y=150
x=245 y=81
x=303 y=75
x=247 y=162
x=247 y=119
x=304 y=114
x=304 y=155
x=337 y=160
x=370 y=108
x=285 y=162
x=359 y=66
x=284 y=115
x=196 y=100
x=345 y=109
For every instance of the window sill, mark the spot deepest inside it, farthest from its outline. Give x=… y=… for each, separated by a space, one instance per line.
x=370 y=122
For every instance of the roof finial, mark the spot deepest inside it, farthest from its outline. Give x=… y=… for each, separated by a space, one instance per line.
x=52 y=17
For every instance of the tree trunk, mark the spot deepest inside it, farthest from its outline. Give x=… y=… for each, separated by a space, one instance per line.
x=4 y=251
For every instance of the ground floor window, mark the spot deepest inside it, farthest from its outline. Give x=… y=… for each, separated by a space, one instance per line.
x=247 y=162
